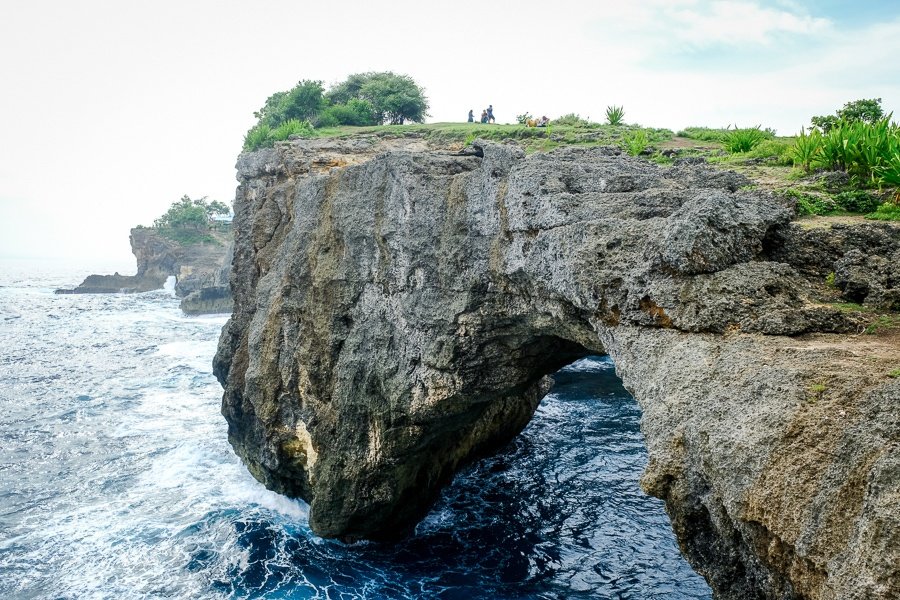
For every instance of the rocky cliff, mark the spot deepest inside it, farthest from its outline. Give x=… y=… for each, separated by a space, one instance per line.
x=197 y=267
x=398 y=308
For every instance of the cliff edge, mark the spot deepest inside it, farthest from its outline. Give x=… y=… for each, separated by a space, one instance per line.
x=398 y=308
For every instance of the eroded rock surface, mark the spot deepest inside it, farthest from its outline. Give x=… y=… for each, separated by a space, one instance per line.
x=398 y=307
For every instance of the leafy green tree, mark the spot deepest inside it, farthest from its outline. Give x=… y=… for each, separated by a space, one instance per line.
x=394 y=98
x=866 y=111
x=190 y=214
x=302 y=102
x=353 y=112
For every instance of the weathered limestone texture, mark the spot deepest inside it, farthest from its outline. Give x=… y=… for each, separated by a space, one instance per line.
x=398 y=308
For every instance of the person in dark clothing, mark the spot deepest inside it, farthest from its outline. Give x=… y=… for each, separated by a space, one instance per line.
x=490 y=113
x=484 y=116
x=471 y=116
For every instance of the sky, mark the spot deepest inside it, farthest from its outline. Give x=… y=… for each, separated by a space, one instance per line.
x=112 y=110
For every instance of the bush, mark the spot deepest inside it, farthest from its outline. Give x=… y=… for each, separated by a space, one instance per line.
x=810 y=204
x=888 y=211
x=743 y=140
x=355 y=112
x=777 y=151
x=190 y=214
x=263 y=136
x=257 y=137
x=292 y=128
x=635 y=141
x=857 y=201
x=301 y=102
x=572 y=120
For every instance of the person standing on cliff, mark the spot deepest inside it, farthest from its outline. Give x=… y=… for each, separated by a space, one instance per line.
x=490 y=113
x=471 y=116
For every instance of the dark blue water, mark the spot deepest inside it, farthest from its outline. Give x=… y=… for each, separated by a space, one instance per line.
x=117 y=481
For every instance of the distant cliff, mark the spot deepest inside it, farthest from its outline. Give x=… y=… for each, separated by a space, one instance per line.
x=197 y=267
x=398 y=307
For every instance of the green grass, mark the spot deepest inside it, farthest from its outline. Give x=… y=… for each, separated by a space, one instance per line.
x=849 y=306
x=533 y=139
x=882 y=323
x=895 y=373
x=887 y=211
x=703 y=134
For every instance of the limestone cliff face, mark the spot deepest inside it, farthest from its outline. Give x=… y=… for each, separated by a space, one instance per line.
x=398 y=307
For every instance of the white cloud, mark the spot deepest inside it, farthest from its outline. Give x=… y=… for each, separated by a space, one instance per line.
x=677 y=25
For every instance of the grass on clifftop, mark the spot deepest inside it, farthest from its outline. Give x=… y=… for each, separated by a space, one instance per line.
x=532 y=138
x=772 y=162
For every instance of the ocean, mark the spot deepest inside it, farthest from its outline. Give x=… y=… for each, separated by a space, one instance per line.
x=117 y=480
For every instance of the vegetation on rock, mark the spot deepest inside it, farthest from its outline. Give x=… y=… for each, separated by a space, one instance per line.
x=188 y=220
x=362 y=99
x=865 y=111
x=615 y=115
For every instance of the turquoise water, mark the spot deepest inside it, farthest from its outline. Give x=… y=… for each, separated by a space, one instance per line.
x=117 y=480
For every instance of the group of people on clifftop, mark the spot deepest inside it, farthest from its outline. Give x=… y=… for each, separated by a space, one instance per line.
x=487 y=115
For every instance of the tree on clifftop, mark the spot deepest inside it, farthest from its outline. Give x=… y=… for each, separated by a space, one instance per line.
x=363 y=99
x=395 y=99
x=190 y=214
x=302 y=102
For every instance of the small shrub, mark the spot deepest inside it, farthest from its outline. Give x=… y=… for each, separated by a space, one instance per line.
x=895 y=373
x=829 y=279
x=615 y=115
x=572 y=120
x=888 y=211
x=857 y=201
x=257 y=137
x=810 y=204
x=743 y=140
x=523 y=118
x=291 y=128
x=635 y=142
x=777 y=151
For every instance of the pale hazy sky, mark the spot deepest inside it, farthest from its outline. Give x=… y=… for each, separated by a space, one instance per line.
x=111 y=110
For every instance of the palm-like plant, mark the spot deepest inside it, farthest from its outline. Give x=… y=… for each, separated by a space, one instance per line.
x=615 y=115
x=806 y=148
x=743 y=140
